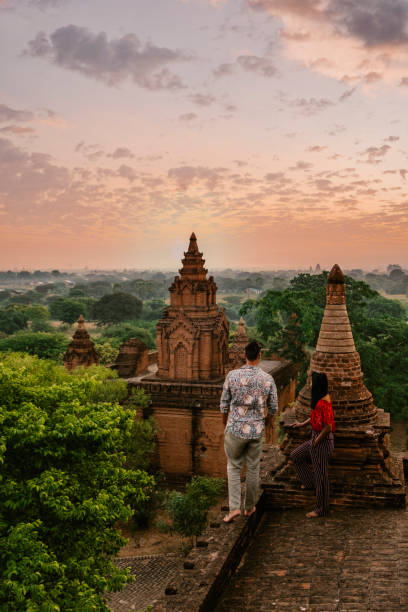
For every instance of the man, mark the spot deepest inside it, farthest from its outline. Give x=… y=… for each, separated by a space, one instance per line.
x=249 y=399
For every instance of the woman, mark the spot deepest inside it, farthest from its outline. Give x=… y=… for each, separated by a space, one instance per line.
x=318 y=449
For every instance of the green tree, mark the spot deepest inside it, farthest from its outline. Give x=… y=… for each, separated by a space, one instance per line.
x=152 y=309
x=139 y=450
x=44 y=289
x=289 y=321
x=141 y=443
x=117 y=307
x=12 y=320
x=63 y=486
x=117 y=334
x=47 y=345
x=67 y=309
x=189 y=511
x=76 y=292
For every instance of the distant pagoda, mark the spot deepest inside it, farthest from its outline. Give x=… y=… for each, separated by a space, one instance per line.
x=362 y=470
x=81 y=351
x=192 y=335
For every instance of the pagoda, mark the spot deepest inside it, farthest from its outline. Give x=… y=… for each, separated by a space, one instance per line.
x=81 y=351
x=192 y=335
x=362 y=469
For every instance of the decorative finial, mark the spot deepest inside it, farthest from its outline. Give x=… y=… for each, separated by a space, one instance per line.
x=81 y=322
x=193 y=247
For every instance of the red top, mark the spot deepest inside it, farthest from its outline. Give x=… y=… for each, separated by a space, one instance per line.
x=322 y=415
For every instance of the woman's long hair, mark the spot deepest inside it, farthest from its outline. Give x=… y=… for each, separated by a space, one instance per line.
x=320 y=387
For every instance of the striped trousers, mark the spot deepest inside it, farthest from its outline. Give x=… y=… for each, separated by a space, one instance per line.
x=312 y=467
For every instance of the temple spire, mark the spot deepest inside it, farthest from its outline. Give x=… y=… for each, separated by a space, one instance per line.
x=193 y=262
x=193 y=246
x=335 y=333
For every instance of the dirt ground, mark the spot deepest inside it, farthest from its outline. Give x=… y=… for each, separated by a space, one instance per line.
x=154 y=542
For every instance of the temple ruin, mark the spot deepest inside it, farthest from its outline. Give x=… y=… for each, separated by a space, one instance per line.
x=362 y=469
x=81 y=351
x=133 y=358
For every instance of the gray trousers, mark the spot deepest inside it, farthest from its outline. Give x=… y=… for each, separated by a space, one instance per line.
x=238 y=450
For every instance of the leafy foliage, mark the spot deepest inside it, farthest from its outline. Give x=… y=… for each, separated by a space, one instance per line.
x=63 y=485
x=152 y=309
x=141 y=443
x=68 y=309
x=189 y=511
x=139 y=449
x=106 y=352
x=117 y=334
x=289 y=321
x=117 y=307
x=47 y=345
x=12 y=320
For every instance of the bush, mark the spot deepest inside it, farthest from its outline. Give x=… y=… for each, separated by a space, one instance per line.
x=106 y=352
x=43 y=344
x=189 y=511
x=64 y=485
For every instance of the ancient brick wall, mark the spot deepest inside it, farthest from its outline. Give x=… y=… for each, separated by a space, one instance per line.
x=191 y=432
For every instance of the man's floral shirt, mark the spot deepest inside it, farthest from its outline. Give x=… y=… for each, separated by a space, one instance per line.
x=249 y=394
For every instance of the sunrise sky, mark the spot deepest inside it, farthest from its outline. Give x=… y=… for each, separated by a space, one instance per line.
x=274 y=129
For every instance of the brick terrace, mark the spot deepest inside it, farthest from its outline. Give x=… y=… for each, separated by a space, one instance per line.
x=152 y=573
x=352 y=560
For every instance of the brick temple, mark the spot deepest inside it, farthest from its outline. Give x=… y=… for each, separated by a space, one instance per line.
x=193 y=359
x=192 y=335
x=362 y=471
x=81 y=351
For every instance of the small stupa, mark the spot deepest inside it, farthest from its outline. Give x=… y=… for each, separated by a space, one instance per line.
x=362 y=470
x=81 y=351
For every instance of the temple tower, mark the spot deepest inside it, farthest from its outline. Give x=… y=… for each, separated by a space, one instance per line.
x=192 y=335
x=336 y=356
x=81 y=351
x=362 y=470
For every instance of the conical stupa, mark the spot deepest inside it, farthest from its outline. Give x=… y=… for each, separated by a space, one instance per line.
x=81 y=351
x=362 y=469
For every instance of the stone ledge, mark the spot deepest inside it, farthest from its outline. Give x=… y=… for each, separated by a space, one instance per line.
x=207 y=569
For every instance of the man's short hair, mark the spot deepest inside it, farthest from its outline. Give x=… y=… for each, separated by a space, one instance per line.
x=252 y=350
